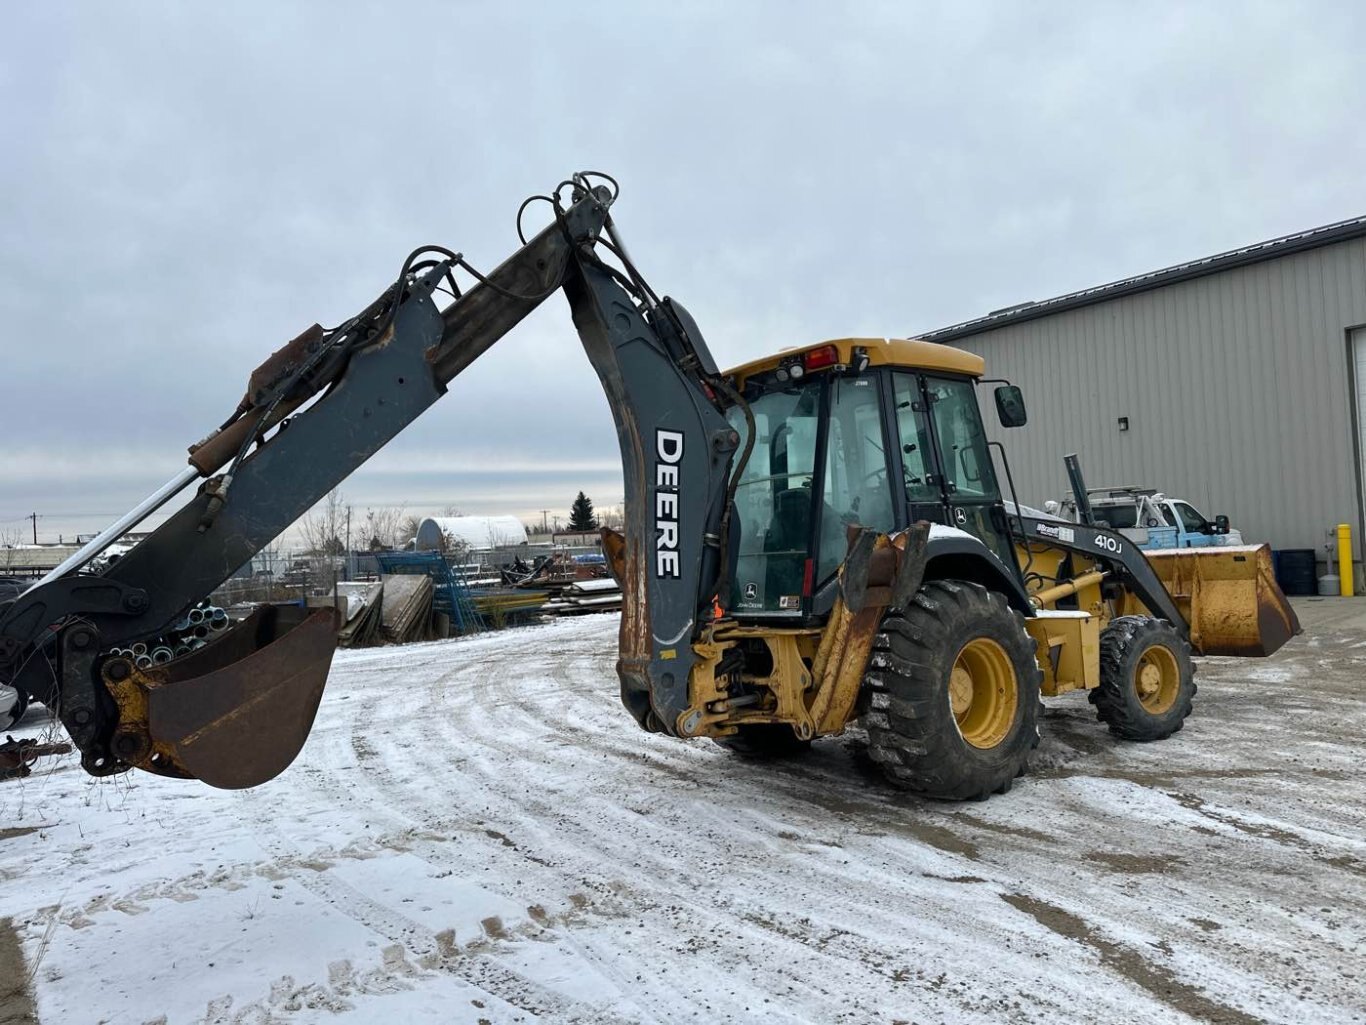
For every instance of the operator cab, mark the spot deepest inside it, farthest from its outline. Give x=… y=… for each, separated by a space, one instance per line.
x=857 y=432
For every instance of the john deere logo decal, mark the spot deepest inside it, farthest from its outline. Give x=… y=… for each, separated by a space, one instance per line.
x=751 y=591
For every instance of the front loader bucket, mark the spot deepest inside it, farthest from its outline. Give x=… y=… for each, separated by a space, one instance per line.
x=235 y=712
x=1229 y=597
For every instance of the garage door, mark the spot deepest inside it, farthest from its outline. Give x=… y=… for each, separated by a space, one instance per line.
x=1359 y=359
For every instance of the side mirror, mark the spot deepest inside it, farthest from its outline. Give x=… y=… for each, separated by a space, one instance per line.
x=1010 y=406
x=1221 y=524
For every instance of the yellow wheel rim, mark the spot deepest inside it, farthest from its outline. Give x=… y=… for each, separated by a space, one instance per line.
x=1157 y=679
x=983 y=692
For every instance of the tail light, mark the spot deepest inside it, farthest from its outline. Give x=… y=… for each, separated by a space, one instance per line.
x=818 y=359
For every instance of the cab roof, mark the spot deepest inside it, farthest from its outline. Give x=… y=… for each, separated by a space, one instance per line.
x=909 y=353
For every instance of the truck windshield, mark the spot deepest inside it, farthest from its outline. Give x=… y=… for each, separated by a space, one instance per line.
x=774 y=500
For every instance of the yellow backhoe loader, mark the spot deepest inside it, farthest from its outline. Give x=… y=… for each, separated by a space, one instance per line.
x=812 y=538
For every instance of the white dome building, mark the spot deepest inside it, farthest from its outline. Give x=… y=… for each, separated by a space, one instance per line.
x=475 y=533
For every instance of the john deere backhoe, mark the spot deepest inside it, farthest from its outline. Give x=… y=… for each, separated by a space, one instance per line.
x=811 y=538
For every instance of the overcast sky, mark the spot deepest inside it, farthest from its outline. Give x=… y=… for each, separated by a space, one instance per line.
x=185 y=186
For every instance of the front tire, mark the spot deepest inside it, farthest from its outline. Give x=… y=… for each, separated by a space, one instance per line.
x=1147 y=679
x=952 y=694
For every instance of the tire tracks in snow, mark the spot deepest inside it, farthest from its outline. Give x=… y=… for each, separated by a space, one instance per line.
x=505 y=713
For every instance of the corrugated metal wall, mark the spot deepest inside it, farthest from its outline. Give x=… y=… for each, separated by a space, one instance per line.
x=1238 y=387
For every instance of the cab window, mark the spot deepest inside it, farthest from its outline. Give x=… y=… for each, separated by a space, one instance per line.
x=914 y=429
x=963 y=452
x=773 y=499
x=856 y=489
x=1120 y=517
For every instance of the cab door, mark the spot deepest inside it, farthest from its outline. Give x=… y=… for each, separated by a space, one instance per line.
x=920 y=476
x=946 y=461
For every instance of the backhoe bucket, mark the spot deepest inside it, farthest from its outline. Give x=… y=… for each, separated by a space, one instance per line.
x=1229 y=597
x=235 y=712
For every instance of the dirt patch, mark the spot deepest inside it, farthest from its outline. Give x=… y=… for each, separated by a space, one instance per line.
x=1133 y=965
x=942 y=838
x=1260 y=830
x=13 y=831
x=1004 y=829
x=1347 y=863
x=1168 y=779
x=16 y=1005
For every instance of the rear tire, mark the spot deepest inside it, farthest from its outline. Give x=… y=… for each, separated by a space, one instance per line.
x=765 y=741
x=952 y=694
x=1147 y=679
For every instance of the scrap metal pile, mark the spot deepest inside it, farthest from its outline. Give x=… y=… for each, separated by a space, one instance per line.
x=406 y=612
x=191 y=631
x=586 y=596
x=576 y=584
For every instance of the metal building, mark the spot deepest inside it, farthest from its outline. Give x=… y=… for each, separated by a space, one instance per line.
x=1237 y=382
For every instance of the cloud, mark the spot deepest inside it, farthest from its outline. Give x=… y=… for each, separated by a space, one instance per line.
x=188 y=186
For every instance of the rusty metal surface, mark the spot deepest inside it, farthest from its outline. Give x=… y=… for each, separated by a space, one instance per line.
x=16 y=756
x=234 y=713
x=280 y=363
x=885 y=575
x=717 y=713
x=614 y=548
x=880 y=572
x=1230 y=598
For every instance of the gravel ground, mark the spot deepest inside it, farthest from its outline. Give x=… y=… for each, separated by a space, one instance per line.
x=476 y=832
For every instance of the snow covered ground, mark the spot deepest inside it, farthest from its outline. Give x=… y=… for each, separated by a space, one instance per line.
x=476 y=832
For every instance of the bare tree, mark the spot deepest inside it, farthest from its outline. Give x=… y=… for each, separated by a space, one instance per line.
x=452 y=510
x=407 y=530
x=384 y=528
x=454 y=548
x=10 y=539
x=498 y=538
x=324 y=526
x=324 y=529
x=271 y=565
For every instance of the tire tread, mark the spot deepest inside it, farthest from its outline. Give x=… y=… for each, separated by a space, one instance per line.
x=906 y=703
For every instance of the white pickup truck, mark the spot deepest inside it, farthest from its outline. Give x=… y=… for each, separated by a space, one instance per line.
x=1152 y=520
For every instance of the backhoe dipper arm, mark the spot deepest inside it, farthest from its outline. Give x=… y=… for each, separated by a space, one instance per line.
x=677 y=449
x=236 y=712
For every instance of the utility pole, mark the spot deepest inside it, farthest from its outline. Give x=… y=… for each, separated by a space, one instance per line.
x=34 y=518
x=544 y=522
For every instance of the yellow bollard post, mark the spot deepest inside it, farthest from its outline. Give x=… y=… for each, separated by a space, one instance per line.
x=1345 y=559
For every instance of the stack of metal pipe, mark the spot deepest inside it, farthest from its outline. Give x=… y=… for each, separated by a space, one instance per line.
x=191 y=631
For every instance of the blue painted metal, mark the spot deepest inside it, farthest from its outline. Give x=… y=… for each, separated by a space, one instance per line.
x=450 y=593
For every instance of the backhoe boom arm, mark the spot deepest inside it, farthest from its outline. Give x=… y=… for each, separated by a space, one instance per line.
x=314 y=412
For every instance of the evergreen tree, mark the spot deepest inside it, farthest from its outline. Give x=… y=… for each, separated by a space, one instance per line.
x=581 y=518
